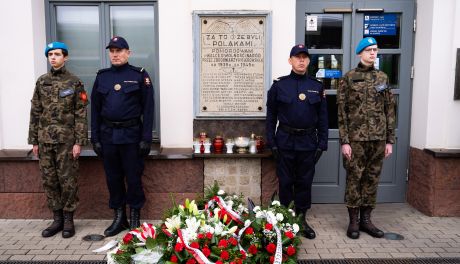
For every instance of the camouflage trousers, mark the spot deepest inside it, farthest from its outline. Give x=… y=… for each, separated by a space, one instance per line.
x=59 y=176
x=363 y=172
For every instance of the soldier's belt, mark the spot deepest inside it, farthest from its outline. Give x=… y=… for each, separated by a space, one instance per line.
x=122 y=124
x=297 y=131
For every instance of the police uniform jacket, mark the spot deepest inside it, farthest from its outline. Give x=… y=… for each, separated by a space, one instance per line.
x=122 y=94
x=366 y=107
x=58 y=111
x=297 y=101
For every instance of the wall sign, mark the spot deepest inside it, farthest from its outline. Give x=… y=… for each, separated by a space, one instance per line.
x=379 y=24
x=232 y=65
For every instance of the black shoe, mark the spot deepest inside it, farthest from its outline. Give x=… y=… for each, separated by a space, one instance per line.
x=56 y=226
x=134 y=218
x=119 y=223
x=69 y=228
x=308 y=232
x=353 y=226
x=366 y=225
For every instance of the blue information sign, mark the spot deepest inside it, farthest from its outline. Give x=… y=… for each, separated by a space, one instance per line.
x=331 y=73
x=380 y=24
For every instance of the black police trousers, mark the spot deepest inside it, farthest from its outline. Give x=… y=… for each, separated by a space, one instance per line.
x=124 y=161
x=295 y=171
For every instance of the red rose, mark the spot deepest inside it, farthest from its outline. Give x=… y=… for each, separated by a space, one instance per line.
x=249 y=231
x=127 y=238
x=200 y=236
x=222 y=243
x=191 y=261
x=224 y=255
x=268 y=226
x=206 y=251
x=272 y=259
x=173 y=259
x=271 y=248
x=179 y=247
x=252 y=249
x=243 y=254
x=233 y=241
x=219 y=262
x=290 y=250
x=195 y=245
x=209 y=235
x=289 y=234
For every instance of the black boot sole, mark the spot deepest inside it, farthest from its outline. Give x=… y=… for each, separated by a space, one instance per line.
x=372 y=234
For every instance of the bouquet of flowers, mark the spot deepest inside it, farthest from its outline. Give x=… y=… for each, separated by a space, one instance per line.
x=217 y=229
x=271 y=236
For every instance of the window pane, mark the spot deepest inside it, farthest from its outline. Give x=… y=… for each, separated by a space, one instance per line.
x=389 y=63
x=327 y=68
x=136 y=25
x=323 y=31
x=78 y=27
x=385 y=28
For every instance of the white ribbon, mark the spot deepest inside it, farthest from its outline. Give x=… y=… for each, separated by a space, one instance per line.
x=109 y=245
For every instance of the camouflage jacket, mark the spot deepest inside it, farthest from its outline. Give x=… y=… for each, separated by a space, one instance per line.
x=58 y=112
x=366 y=107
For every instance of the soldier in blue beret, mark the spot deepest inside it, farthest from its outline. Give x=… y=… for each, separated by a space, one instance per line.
x=298 y=103
x=121 y=127
x=58 y=126
x=366 y=118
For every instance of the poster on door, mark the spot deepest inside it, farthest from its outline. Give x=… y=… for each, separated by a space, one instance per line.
x=380 y=24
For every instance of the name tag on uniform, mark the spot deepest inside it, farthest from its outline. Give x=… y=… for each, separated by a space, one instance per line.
x=130 y=81
x=313 y=91
x=380 y=87
x=66 y=92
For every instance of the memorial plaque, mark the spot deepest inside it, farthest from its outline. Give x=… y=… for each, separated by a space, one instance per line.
x=232 y=65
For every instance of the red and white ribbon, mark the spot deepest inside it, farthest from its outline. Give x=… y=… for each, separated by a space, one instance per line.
x=222 y=205
x=197 y=254
x=147 y=230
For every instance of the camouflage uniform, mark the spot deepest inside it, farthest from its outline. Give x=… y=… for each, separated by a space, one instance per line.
x=366 y=116
x=57 y=122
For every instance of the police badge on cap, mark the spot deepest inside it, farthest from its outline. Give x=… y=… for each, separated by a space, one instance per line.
x=118 y=42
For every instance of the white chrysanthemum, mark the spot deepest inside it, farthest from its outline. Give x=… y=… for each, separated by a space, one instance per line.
x=259 y=214
x=173 y=223
x=279 y=217
x=221 y=192
x=230 y=203
x=295 y=228
x=256 y=209
x=275 y=202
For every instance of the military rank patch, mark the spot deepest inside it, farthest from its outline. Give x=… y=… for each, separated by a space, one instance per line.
x=83 y=96
x=147 y=81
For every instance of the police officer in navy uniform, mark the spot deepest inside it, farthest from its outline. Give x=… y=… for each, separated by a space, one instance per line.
x=297 y=103
x=121 y=127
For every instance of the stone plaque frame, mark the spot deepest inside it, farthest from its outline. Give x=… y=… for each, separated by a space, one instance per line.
x=231 y=77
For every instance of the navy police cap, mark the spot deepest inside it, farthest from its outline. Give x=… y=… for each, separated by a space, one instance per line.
x=299 y=48
x=56 y=45
x=118 y=42
x=364 y=43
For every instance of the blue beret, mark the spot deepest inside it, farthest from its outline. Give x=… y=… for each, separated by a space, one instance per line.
x=299 y=48
x=365 y=42
x=118 y=42
x=56 y=45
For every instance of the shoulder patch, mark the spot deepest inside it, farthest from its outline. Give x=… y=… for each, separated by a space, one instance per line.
x=316 y=80
x=280 y=78
x=103 y=70
x=138 y=69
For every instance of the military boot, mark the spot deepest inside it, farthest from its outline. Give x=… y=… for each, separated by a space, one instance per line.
x=366 y=225
x=307 y=231
x=69 y=228
x=134 y=218
x=353 y=226
x=119 y=223
x=56 y=226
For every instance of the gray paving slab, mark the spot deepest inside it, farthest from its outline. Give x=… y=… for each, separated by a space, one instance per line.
x=425 y=237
